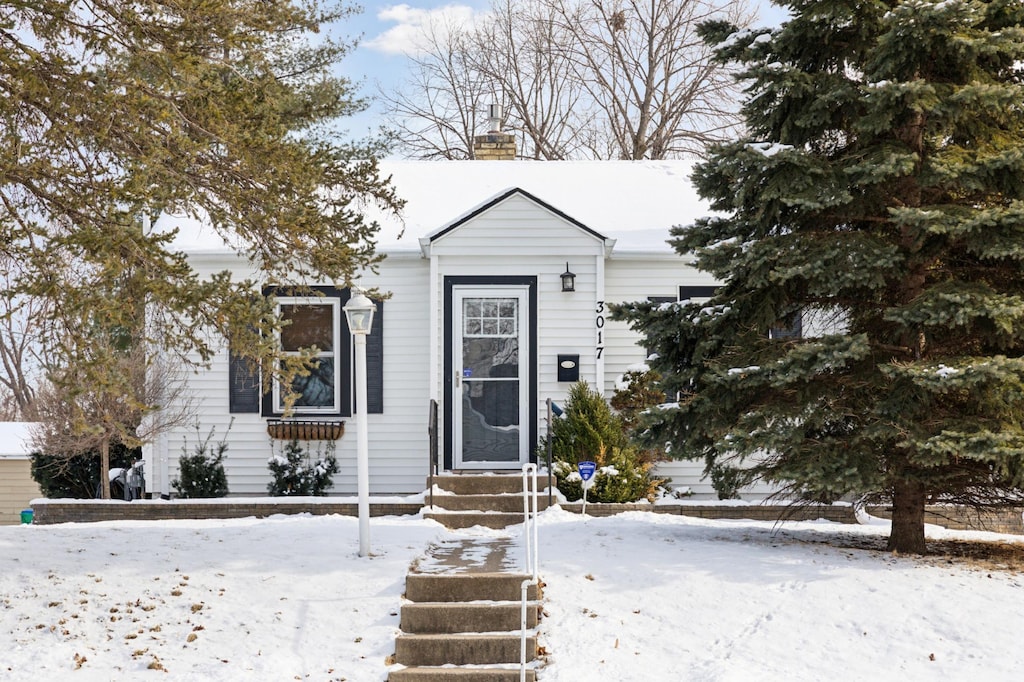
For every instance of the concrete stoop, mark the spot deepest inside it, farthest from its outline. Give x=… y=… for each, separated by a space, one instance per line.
x=461 y=618
x=492 y=501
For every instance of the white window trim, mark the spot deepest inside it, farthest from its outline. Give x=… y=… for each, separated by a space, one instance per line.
x=335 y=304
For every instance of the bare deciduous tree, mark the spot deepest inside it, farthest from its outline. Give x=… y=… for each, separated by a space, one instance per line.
x=522 y=52
x=603 y=79
x=22 y=319
x=435 y=115
x=650 y=74
x=79 y=413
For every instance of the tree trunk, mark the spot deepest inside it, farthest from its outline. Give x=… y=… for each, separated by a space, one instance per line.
x=105 y=468
x=907 y=536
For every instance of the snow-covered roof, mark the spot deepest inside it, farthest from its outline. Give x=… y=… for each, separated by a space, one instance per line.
x=633 y=202
x=15 y=439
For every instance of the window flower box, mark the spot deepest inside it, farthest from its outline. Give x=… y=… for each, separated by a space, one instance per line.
x=305 y=429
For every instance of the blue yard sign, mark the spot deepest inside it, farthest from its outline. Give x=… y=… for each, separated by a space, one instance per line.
x=586 y=470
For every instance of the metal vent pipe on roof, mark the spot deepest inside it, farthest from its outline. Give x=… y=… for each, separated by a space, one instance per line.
x=494 y=116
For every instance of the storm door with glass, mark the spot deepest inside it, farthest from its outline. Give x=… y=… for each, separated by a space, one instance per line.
x=491 y=362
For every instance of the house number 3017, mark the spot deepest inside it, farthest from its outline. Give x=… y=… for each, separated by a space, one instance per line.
x=599 y=323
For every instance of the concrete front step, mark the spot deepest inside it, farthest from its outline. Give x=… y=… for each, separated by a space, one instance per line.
x=508 y=503
x=445 y=649
x=459 y=675
x=448 y=617
x=468 y=519
x=484 y=484
x=454 y=587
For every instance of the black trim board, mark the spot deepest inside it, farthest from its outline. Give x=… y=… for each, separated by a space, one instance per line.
x=450 y=282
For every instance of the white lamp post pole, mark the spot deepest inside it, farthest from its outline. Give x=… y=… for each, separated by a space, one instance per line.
x=362 y=448
x=359 y=311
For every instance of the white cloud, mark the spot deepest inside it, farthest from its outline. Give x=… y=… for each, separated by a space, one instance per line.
x=412 y=26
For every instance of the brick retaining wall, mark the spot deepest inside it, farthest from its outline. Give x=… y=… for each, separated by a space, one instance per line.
x=756 y=512
x=965 y=518
x=49 y=512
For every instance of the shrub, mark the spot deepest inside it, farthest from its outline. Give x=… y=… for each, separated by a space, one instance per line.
x=726 y=481
x=625 y=477
x=636 y=392
x=202 y=473
x=77 y=476
x=588 y=430
x=296 y=474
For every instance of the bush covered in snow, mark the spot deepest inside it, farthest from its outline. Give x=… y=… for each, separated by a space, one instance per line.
x=589 y=430
x=297 y=473
x=202 y=473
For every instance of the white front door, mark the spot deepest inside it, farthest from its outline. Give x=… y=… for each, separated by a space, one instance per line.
x=490 y=356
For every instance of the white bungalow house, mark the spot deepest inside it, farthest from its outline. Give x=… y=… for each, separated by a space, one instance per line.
x=480 y=319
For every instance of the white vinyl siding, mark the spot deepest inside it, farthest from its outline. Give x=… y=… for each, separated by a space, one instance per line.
x=397 y=438
x=516 y=237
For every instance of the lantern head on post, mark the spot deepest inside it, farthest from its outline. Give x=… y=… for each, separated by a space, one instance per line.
x=359 y=312
x=568 y=279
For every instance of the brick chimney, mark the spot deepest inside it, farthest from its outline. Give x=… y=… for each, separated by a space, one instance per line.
x=495 y=145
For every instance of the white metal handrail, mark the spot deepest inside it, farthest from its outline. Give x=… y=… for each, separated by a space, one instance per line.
x=530 y=541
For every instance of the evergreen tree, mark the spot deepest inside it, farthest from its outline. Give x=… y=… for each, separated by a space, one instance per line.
x=880 y=196
x=224 y=110
x=588 y=430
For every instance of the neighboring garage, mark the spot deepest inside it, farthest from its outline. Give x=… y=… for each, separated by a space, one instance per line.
x=17 y=488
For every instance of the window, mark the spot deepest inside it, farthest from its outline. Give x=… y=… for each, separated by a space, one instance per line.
x=316 y=321
x=312 y=323
x=790 y=327
x=691 y=294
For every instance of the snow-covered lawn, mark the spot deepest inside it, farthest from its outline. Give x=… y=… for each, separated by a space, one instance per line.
x=639 y=597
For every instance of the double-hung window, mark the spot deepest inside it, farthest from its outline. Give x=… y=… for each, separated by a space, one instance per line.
x=312 y=323
x=314 y=320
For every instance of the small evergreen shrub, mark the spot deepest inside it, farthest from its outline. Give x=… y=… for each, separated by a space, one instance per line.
x=202 y=473
x=297 y=474
x=636 y=392
x=625 y=477
x=589 y=430
x=726 y=481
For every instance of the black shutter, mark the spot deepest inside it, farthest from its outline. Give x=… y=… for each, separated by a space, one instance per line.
x=686 y=293
x=375 y=363
x=243 y=385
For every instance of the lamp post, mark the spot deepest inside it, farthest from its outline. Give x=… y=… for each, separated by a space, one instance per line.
x=359 y=312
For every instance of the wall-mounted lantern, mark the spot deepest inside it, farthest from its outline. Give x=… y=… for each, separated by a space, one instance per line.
x=568 y=279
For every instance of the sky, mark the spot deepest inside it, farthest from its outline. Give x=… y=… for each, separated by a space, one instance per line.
x=636 y=597
x=387 y=30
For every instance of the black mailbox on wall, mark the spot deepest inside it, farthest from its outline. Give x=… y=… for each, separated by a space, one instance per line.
x=568 y=367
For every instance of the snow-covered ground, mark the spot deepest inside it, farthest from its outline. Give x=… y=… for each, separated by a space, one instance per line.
x=639 y=597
